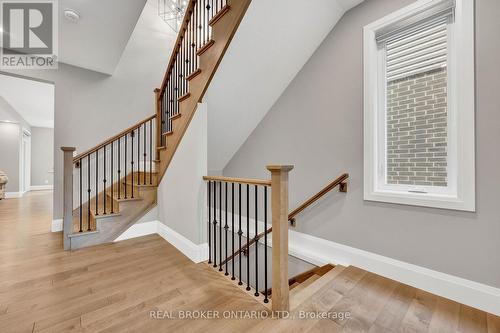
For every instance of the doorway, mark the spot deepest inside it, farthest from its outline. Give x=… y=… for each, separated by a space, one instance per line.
x=25 y=162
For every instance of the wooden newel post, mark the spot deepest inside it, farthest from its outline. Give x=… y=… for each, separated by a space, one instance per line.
x=279 y=204
x=158 y=121
x=67 y=195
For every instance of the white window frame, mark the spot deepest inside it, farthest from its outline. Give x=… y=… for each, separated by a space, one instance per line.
x=460 y=193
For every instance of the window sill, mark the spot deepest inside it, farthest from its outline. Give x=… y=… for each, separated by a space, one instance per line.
x=422 y=200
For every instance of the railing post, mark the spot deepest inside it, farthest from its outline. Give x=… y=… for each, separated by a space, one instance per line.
x=158 y=121
x=67 y=195
x=279 y=204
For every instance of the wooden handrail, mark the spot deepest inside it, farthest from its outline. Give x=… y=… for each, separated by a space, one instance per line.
x=113 y=138
x=339 y=181
x=238 y=180
x=178 y=43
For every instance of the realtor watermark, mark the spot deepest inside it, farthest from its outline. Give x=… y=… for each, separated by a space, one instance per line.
x=28 y=34
x=242 y=314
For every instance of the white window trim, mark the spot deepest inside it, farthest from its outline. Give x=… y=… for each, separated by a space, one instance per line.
x=462 y=102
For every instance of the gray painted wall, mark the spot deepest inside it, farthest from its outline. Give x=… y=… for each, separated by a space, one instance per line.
x=10 y=140
x=317 y=125
x=42 y=156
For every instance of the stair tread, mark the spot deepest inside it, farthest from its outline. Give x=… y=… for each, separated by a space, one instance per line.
x=205 y=47
x=219 y=15
x=83 y=233
x=101 y=205
x=129 y=198
x=141 y=184
x=193 y=74
x=298 y=297
x=304 y=284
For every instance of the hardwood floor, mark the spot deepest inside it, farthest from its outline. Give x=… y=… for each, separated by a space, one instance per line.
x=115 y=288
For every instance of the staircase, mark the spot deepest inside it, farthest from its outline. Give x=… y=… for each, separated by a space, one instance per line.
x=113 y=185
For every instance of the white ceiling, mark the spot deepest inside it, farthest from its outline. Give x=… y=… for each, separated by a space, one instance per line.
x=99 y=38
x=33 y=100
x=274 y=41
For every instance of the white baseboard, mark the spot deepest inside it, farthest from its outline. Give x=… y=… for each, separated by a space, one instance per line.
x=320 y=251
x=57 y=225
x=13 y=195
x=139 y=230
x=41 y=187
x=197 y=253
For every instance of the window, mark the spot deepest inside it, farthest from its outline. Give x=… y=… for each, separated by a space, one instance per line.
x=419 y=106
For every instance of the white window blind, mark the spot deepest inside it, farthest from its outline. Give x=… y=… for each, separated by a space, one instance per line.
x=419 y=44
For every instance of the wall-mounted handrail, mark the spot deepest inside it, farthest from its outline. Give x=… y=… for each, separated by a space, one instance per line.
x=339 y=181
x=111 y=139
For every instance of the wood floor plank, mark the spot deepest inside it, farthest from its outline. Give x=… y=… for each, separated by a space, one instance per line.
x=472 y=320
x=391 y=316
x=419 y=315
x=445 y=316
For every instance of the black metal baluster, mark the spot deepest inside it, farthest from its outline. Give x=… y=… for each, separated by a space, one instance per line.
x=151 y=152
x=215 y=224
x=266 y=300
x=144 y=155
x=248 y=237
x=112 y=182
x=225 y=225
x=209 y=188
x=81 y=194
x=195 y=36
x=220 y=226
x=171 y=108
x=138 y=156
x=232 y=230
x=240 y=232
x=119 y=171
x=256 y=244
x=126 y=139
x=88 y=192
x=203 y=24
x=132 y=134
x=191 y=44
x=96 y=183
x=177 y=87
x=198 y=26
x=104 y=181
x=164 y=116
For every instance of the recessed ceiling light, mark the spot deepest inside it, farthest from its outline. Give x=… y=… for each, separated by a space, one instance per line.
x=71 y=15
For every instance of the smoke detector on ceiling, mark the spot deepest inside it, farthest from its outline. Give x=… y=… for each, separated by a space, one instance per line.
x=71 y=15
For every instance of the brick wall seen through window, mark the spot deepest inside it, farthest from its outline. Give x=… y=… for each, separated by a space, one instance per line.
x=417 y=129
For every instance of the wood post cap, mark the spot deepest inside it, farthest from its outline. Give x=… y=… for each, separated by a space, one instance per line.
x=68 y=148
x=275 y=168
